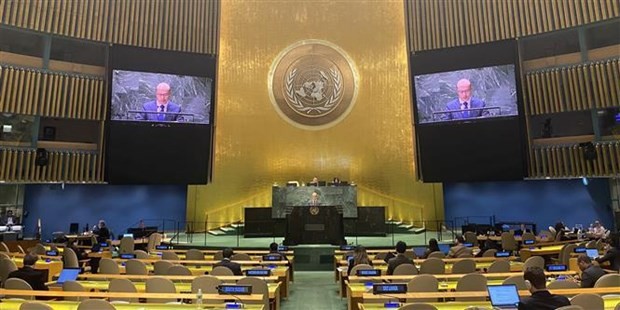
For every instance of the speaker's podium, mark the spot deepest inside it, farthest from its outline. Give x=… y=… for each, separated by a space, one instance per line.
x=314 y=225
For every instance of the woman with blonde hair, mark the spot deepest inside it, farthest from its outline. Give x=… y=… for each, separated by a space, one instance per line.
x=360 y=256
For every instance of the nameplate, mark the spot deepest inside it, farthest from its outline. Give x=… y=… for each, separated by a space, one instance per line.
x=314 y=227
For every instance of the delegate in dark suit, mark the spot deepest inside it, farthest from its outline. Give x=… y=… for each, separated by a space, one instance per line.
x=543 y=300
x=152 y=106
x=397 y=261
x=35 y=278
x=465 y=110
x=234 y=267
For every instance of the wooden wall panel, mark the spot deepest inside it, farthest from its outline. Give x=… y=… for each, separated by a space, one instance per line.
x=431 y=23
x=60 y=95
x=573 y=88
x=186 y=25
x=565 y=161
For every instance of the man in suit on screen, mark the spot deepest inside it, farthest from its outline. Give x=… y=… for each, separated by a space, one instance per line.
x=465 y=106
x=162 y=104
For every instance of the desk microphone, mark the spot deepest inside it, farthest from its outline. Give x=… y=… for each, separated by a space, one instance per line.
x=391 y=304
x=238 y=304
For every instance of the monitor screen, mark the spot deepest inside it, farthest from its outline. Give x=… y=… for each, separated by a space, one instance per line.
x=592 y=253
x=68 y=274
x=503 y=295
x=445 y=248
x=469 y=94
x=502 y=254
x=234 y=289
x=282 y=248
x=159 y=97
x=258 y=272
x=51 y=253
x=272 y=258
x=396 y=288
x=557 y=268
x=103 y=244
x=419 y=251
x=369 y=272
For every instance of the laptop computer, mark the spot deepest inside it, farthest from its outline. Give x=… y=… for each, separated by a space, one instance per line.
x=68 y=274
x=503 y=296
x=592 y=253
x=445 y=248
x=419 y=251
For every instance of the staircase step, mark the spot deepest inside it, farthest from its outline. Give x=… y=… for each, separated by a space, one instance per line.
x=417 y=230
x=237 y=225
x=216 y=232
x=227 y=229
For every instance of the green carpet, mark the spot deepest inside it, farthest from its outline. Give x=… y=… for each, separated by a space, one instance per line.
x=314 y=290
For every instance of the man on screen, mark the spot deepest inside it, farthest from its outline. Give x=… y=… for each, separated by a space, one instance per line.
x=468 y=106
x=162 y=104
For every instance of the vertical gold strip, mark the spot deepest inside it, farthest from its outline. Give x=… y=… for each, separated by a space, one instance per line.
x=36 y=93
x=27 y=104
x=79 y=26
x=19 y=103
x=156 y=23
x=3 y=165
x=38 y=10
x=4 y=77
x=588 y=79
x=100 y=96
x=165 y=23
x=133 y=29
x=616 y=7
x=574 y=87
x=112 y=25
x=13 y=8
x=566 y=90
x=71 y=97
x=583 y=88
x=615 y=93
x=615 y=68
x=601 y=84
x=28 y=14
x=3 y=3
x=108 y=19
x=546 y=87
x=597 y=10
x=55 y=95
x=557 y=91
x=80 y=105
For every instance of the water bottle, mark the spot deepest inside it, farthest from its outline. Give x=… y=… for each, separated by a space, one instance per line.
x=199 y=297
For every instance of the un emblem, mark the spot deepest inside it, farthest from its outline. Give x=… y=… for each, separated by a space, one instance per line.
x=313 y=84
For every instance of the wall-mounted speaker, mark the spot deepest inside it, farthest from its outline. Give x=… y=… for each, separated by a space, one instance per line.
x=42 y=158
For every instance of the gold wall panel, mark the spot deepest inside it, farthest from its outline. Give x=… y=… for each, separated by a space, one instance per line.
x=254 y=147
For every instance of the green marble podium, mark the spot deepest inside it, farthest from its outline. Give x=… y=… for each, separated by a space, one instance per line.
x=285 y=198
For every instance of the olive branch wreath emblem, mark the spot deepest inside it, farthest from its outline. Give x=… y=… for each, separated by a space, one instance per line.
x=334 y=98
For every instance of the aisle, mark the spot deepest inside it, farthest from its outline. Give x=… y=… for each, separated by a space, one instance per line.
x=314 y=290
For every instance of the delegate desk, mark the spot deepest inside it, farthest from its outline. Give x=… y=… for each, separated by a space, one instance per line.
x=181 y=287
x=369 y=297
x=14 y=304
x=198 y=268
x=250 y=299
x=610 y=304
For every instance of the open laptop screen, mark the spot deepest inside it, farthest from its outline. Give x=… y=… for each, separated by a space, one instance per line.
x=503 y=295
x=445 y=248
x=592 y=253
x=419 y=251
x=68 y=274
